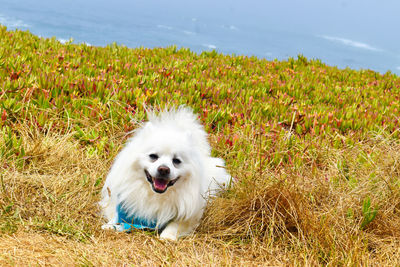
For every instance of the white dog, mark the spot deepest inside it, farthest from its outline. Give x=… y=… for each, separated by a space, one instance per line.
x=163 y=176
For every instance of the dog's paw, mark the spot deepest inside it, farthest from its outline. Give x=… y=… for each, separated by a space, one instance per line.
x=114 y=227
x=166 y=235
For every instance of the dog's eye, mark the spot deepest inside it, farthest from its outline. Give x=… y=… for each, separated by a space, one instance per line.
x=176 y=161
x=153 y=156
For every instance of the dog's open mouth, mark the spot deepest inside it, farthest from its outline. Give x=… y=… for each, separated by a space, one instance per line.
x=160 y=185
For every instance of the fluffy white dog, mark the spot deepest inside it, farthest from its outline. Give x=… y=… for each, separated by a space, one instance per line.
x=163 y=176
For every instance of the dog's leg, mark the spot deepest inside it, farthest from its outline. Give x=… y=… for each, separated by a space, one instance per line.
x=174 y=230
x=115 y=227
x=113 y=224
x=171 y=231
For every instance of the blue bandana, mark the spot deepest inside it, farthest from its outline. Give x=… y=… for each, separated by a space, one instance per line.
x=132 y=222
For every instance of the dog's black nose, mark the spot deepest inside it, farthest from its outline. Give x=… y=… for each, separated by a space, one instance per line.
x=163 y=170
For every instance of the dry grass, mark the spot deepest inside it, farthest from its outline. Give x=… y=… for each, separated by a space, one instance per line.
x=309 y=214
x=316 y=213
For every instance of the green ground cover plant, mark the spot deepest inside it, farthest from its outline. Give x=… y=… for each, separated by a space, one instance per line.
x=314 y=150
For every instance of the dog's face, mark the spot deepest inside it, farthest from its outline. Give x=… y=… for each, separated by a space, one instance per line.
x=166 y=160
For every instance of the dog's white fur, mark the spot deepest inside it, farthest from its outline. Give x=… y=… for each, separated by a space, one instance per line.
x=172 y=134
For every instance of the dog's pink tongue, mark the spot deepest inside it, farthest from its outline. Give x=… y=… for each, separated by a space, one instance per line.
x=160 y=184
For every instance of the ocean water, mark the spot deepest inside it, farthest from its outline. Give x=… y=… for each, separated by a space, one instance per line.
x=360 y=34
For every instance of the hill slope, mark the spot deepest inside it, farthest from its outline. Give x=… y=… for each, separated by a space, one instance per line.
x=314 y=149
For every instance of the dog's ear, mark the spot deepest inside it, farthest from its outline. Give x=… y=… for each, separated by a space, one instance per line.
x=149 y=126
x=142 y=132
x=189 y=136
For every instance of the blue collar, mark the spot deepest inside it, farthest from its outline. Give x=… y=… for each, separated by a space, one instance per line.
x=132 y=222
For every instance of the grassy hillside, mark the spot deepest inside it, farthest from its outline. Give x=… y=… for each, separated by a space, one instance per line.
x=315 y=151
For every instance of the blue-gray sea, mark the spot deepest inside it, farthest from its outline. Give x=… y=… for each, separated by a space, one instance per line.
x=360 y=34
